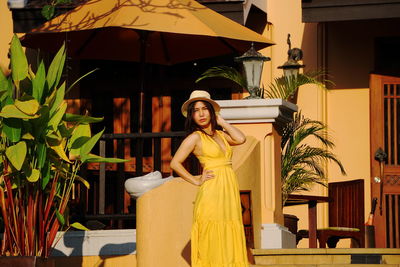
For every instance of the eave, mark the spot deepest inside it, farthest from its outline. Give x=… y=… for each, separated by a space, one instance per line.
x=347 y=10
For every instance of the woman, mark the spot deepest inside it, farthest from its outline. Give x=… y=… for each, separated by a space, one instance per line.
x=217 y=233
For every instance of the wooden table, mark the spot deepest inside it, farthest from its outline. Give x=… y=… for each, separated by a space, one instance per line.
x=311 y=201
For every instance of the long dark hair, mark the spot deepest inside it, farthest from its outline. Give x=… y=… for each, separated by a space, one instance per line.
x=191 y=126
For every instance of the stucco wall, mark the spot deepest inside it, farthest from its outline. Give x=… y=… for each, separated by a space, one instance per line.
x=6 y=32
x=345 y=108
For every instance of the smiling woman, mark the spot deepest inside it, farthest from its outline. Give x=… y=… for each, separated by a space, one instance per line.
x=217 y=237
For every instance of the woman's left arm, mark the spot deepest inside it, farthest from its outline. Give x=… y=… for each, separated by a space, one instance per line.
x=232 y=134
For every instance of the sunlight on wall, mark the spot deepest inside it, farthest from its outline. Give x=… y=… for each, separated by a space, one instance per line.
x=5 y=34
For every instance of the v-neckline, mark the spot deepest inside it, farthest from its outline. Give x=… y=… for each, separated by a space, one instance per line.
x=219 y=146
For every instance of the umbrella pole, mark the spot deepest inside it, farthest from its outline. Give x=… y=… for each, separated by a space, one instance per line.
x=143 y=41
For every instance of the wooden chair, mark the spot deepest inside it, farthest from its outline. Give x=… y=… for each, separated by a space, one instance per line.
x=346 y=215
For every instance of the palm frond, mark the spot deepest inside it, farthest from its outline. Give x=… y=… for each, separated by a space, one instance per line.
x=302 y=164
x=285 y=87
x=224 y=72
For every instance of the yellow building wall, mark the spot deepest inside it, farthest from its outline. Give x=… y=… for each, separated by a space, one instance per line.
x=344 y=109
x=6 y=31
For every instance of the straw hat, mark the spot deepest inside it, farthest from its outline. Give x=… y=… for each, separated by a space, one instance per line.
x=202 y=96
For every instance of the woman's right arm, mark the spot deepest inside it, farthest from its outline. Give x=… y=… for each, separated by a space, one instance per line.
x=188 y=145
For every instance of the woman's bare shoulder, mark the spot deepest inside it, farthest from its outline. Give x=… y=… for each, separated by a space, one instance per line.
x=192 y=138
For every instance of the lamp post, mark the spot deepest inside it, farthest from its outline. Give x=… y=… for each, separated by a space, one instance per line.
x=253 y=62
x=291 y=67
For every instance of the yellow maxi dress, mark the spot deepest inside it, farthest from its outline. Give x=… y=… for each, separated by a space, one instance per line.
x=217 y=234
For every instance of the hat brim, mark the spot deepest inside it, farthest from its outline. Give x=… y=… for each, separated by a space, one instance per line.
x=185 y=105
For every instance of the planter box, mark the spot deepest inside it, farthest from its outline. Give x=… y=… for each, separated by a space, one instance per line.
x=81 y=261
x=95 y=243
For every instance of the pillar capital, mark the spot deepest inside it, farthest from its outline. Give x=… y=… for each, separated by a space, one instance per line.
x=250 y=111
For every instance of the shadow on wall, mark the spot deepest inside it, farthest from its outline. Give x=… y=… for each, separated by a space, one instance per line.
x=96 y=243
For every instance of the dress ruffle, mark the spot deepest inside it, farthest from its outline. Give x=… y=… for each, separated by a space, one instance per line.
x=218 y=244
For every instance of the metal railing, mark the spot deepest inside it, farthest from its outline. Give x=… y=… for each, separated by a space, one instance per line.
x=146 y=152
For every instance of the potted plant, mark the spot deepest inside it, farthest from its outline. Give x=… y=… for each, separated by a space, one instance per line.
x=41 y=151
x=302 y=163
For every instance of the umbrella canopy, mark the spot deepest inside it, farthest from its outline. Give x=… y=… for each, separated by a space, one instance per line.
x=155 y=31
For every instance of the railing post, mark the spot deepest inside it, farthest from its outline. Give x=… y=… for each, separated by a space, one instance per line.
x=157 y=154
x=102 y=177
x=139 y=157
x=120 y=177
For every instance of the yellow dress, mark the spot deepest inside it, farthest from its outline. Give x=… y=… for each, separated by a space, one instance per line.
x=217 y=234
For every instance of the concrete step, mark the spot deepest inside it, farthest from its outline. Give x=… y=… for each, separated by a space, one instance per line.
x=326 y=257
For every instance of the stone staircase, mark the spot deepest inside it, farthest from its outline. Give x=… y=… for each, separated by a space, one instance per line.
x=330 y=257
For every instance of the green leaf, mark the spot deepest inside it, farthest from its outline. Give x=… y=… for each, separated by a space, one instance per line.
x=58 y=100
x=224 y=72
x=27 y=105
x=61 y=2
x=40 y=124
x=79 y=226
x=60 y=152
x=60 y=217
x=80 y=136
x=41 y=153
x=8 y=100
x=12 y=128
x=11 y=111
x=81 y=118
x=16 y=154
x=4 y=82
x=80 y=78
x=39 y=83
x=75 y=148
x=57 y=117
x=56 y=68
x=53 y=138
x=88 y=146
x=65 y=131
x=27 y=136
x=91 y=158
x=83 y=181
x=45 y=174
x=6 y=87
x=19 y=63
x=33 y=176
x=48 y=11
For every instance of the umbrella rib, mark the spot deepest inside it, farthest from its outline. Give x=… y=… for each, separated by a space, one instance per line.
x=228 y=45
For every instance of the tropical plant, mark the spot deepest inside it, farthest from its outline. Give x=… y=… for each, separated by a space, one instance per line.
x=234 y=75
x=282 y=87
x=224 y=72
x=286 y=87
x=41 y=151
x=48 y=10
x=303 y=164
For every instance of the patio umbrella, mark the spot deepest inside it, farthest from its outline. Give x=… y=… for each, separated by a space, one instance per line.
x=173 y=31
x=152 y=31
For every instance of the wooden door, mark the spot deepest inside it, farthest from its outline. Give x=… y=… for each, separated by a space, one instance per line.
x=385 y=177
